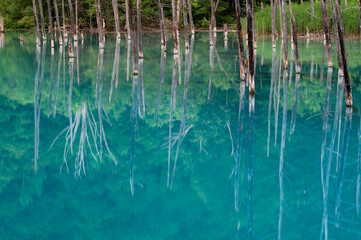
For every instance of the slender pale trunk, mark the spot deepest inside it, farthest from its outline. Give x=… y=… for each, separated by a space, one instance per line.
x=185 y=20
x=116 y=17
x=240 y=41
x=139 y=21
x=348 y=92
x=50 y=24
x=162 y=27
x=175 y=27
x=72 y=19
x=254 y=28
x=133 y=37
x=212 y=14
x=326 y=29
x=58 y=23
x=274 y=22
x=281 y=22
x=284 y=40
x=99 y=23
x=191 y=16
x=63 y=12
x=127 y=18
x=312 y=8
x=37 y=31
x=76 y=17
x=250 y=47
x=339 y=58
x=295 y=41
x=42 y=20
x=359 y=9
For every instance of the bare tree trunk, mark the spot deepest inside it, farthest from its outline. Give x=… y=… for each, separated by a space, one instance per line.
x=175 y=27
x=191 y=16
x=42 y=20
x=2 y=28
x=64 y=26
x=127 y=18
x=312 y=8
x=285 y=44
x=359 y=9
x=274 y=22
x=240 y=41
x=250 y=47
x=76 y=17
x=50 y=24
x=58 y=23
x=133 y=37
x=254 y=28
x=326 y=29
x=139 y=21
x=37 y=31
x=72 y=19
x=294 y=37
x=281 y=22
x=348 y=92
x=99 y=23
x=185 y=24
x=162 y=27
x=116 y=17
x=210 y=35
x=212 y=14
x=339 y=58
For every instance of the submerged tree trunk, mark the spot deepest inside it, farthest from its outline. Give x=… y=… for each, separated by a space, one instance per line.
x=72 y=19
x=294 y=37
x=285 y=44
x=139 y=21
x=326 y=29
x=274 y=22
x=162 y=27
x=37 y=31
x=99 y=23
x=348 y=93
x=185 y=24
x=191 y=16
x=127 y=18
x=42 y=20
x=116 y=17
x=240 y=41
x=133 y=37
x=250 y=47
x=175 y=27
x=50 y=24
x=58 y=22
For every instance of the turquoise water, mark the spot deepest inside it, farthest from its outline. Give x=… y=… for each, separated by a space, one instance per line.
x=105 y=176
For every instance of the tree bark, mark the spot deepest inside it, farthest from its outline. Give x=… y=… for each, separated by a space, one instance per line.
x=284 y=40
x=281 y=21
x=116 y=17
x=37 y=31
x=72 y=19
x=294 y=37
x=312 y=8
x=250 y=47
x=50 y=24
x=133 y=37
x=359 y=9
x=326 y=29
x=348 y=92
x=63 y=12
x=175 y=27
x=240 y=41
x=58 y=22
x=254 y=28
x=191 y=16
x=339 y=58
x=162 y=27
x=274 y=22
x=99 y=23
x=139 y=21
x=185 y=20
x=127 y=18
x=76 y=17
x=42 y=20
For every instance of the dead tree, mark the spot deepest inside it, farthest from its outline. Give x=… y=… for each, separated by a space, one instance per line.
x=294 y=37
x=70 y=5
x=254 y=28
x=250 y=47
x=1 y=25
x=175 y=27
x=343 y=54
x=139 y=21
x=58 y=23
x=37 y=31
x=312 y=8
x=359 y=9
x=50 y=24
x=326 y=29
x=240 y=41
x=116 y=17
x=162 y=27
x=42 y=20
x=133 y=37
x=274 y=22
x=191 y=16
x=76 y=17
x=63 y=12
x=127 y=18
x=185 y=20
x=284 y=40
x=335 y=28
x=99 y=23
